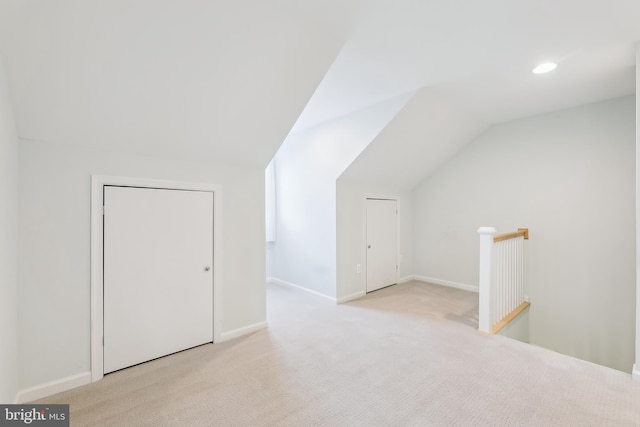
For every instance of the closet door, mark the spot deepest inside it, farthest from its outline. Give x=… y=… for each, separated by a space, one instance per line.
x=382 y=243
x=158 y=277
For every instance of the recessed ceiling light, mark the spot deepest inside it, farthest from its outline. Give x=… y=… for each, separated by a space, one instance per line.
x=545 y=68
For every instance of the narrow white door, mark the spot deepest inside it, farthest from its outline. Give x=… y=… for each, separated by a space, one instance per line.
x=382 y=243
x=158 y=278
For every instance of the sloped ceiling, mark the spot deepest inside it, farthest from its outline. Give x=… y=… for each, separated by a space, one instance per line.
x=470 y=64
x=480 y=54
x=212 y=80
x=426 y=132
x=227 y=81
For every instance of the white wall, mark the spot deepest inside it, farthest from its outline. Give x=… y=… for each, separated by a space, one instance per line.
x=636 y=366
x=54 y=248
x=569 y=177
x=352 y=234
x=307 y=166
x=8 y=246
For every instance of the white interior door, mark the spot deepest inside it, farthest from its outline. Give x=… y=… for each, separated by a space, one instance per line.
x=382 y=243
x=158 y=277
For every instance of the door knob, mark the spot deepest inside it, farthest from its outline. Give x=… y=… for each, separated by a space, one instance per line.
x=207 y=268
x=369 y=246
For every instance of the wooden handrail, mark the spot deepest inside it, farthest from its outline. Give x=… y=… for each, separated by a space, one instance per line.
x=506 y=236
x=508 y=318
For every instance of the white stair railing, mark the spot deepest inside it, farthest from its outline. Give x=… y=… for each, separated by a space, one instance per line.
x=501 y=281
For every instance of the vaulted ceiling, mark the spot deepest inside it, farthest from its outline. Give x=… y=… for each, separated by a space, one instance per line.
x=480 y=54
x=227 y=81
x=212 y=80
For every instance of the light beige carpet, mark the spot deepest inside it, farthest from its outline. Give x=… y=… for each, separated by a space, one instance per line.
x=405 y=355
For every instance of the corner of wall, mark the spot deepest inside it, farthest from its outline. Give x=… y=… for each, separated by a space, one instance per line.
x=8 y=246
x=636 y=366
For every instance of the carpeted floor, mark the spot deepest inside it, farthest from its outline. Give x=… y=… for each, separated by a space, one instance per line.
x=404 y=355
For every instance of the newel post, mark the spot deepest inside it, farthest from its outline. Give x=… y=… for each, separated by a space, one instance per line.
x=484 y=283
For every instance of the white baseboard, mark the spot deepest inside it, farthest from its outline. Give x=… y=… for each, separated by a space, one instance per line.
x=281 y=282
x=406 y=279
x=57 y=386
x=226 y=336
x=636 y=372
x=448 y=283
x=351 y=297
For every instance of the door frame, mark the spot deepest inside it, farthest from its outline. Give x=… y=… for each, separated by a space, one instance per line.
x=98 y=182
x=365 y=231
